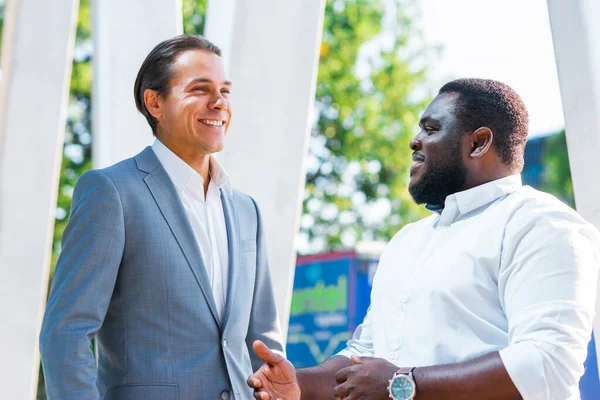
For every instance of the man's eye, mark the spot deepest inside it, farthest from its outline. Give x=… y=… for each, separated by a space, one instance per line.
x=226 y=91
x=200 y=89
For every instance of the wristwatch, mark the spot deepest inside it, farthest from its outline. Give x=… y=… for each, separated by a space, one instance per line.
x=402 y=385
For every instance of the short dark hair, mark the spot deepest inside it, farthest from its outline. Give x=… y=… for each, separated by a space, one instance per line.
x=493 y=104
x=157 y=69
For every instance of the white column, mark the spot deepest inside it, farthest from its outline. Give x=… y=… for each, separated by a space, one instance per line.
x=576 y=34
x=124 y=32
x=271 y=49
x=37 y=54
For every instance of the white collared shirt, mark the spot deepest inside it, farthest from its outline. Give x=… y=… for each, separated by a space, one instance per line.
x=205 y=215
x=503 y=268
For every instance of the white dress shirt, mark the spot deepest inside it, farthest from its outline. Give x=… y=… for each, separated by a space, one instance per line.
x=205 y=215
x=503 y=268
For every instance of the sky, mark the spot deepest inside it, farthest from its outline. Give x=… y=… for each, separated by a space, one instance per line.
x=506 y=40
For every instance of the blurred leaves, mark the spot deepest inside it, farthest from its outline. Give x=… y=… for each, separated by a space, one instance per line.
x=370 y=92
x=2 y=12
x=77 y=147
x=194 y=16
x=557 y=172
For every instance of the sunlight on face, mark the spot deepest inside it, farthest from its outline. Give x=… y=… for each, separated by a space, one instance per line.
x=196 y=112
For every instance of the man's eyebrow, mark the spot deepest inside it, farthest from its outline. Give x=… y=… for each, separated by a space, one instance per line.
x=206 y=80
x=427 y=119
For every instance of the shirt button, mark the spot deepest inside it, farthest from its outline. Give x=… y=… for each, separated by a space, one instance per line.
x=224 y=343
x=393 y=356
x=225 y=395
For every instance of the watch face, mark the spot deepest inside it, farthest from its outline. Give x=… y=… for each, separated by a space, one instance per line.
x=402 y=387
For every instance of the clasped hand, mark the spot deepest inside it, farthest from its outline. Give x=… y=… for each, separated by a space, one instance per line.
x=366 y=379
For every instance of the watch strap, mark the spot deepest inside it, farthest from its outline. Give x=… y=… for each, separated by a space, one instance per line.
x=405 y=371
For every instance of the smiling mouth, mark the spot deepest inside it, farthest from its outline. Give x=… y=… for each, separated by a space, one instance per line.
x=212 y=122
x=414 y=167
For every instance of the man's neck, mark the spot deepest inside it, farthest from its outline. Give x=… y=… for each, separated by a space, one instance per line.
x=483 y=178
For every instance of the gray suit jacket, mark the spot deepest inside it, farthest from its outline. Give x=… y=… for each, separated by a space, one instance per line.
x=131 y=274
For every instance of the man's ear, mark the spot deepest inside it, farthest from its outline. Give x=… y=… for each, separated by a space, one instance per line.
x=481 y=142
x=153 y=103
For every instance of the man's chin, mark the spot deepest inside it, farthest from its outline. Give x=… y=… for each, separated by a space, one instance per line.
x=413 y=182
x=411 y=191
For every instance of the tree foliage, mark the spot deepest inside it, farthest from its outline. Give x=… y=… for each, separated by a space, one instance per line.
x=370 y=91
x=557 y=172
x=2 y=10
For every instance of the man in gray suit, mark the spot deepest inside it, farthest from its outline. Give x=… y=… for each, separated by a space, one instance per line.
x=162 y=262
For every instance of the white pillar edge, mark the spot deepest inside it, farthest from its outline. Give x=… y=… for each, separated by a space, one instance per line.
x=35 y=34
x=576 y=35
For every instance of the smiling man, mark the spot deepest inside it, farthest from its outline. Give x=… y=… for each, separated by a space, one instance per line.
x=491 y=297
x=162 y=261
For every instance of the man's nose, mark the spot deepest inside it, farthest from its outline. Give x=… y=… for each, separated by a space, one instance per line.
x=219 y=103
x=415 y=143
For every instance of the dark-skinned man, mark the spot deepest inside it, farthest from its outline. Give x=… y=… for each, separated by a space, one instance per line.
x=491 y=297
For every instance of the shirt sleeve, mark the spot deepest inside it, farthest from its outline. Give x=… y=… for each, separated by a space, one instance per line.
x=547 y=284
x=361 y=343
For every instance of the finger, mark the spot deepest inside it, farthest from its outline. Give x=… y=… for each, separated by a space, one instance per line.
x=342 y=375
x=266 y=354
x=341 y=391
x=261 y=395
x=257 y=396
x=356 y=359
x=254 y=382
x=264 y=396
x=365 y=359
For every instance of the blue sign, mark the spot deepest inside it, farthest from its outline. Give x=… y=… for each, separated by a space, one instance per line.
x=324 y=307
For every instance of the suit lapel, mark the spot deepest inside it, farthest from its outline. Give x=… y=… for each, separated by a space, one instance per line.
x=233 y=240
x=167 y=199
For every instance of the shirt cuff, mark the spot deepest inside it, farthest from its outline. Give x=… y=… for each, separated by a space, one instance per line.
x=347 y=353
x=526 y=369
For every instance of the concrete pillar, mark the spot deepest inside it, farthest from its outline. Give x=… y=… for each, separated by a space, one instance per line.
x=576 y=35
x=124 y=32
x=37 y=54
x=271 y=50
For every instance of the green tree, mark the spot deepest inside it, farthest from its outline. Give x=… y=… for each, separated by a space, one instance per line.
x=194 y=16
x=370 y=91
x=2 y=10
x=556 y=179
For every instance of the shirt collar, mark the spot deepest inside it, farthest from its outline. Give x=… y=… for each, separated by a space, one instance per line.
x=461 y=203
x=183 y=175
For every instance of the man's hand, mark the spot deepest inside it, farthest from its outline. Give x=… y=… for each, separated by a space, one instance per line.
x=274 y=380
x=367 y=379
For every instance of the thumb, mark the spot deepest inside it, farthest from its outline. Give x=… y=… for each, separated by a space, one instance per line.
x=362 y=359
x=266 y=354
x=356 y=359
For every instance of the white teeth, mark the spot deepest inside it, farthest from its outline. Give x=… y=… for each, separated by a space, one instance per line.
x=211 y=122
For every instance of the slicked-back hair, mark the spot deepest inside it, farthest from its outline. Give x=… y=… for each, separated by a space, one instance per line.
x=157 y=69
x=493 y=104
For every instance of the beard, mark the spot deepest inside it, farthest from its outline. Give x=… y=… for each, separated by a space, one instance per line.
x=439 y=180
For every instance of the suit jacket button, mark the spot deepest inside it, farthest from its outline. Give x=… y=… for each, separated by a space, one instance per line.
x=225 y=395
